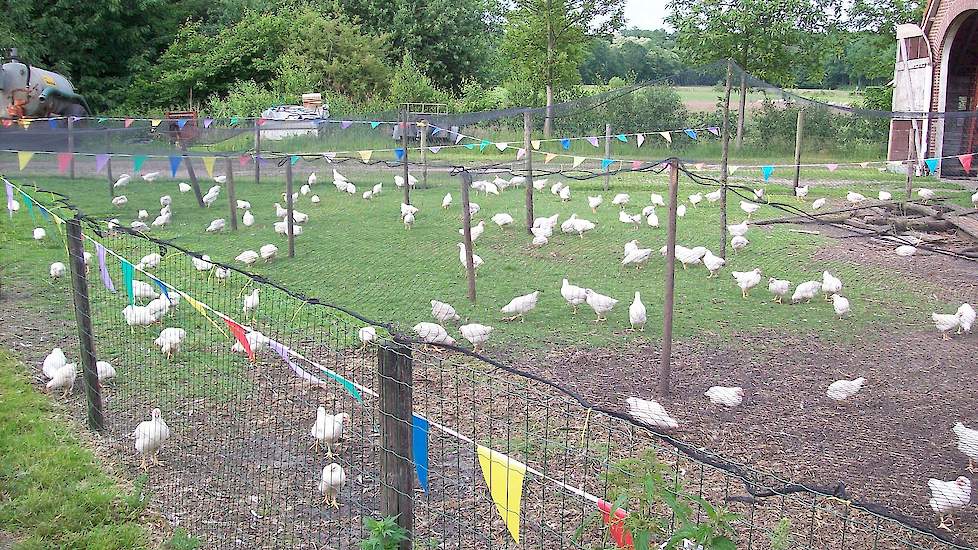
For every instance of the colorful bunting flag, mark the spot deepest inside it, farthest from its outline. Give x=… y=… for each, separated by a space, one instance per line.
x=435 y=149
x=399 y=153
x=733 y=169
x=504 y=478
x=346 y=124
x=174 y=164
x=127 y=122
x=260 y=121
x=565 y=143
x=23 y=157
x=137 y=162
x=64 y=162
x=966 y=161
x=365 y=155
x=666 y=136
x=239 y=334
x=535 y=143
x=578 y=161
x=294 y=159
x=243 y=160
x=622 y=138
x=640 y=138
x=25 y=122
x=162 y=287
x=483 y=144
x=208 y=122
x=549 y=157
x=832 y=167
x=592 y=140
x=458 y=138
x=100 y=120
x=636 y=164
x=714 y=130
x=209 y=165
x=29 y=203
x=616 y=528
x=767 y=171
x=605 y=163
x=502 y=145
x=203 y=311
x=469 y=146
x=53 y=123
x=181 y=122
x=520 y=153
x=10 y=199
x=283 y=352
x=375 y=124
x=931 y=165
x=155 y=122
x=44 y=213
x=100 y=162
x=103 y=269
x=690 y=133
x=419 y=447
x=234 y=121
x=127 y=274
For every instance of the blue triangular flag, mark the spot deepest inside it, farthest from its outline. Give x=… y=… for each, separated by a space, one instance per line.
x=767 y=171
x=174 y=164
x=374 y=124
x=44 y=213
x=419 y=446
x=622 y=138
x=605 y=163
x=399 y=153
x=565 y=143
x=436 y=131
x=690 y=133
x=53 y=123
x=29 y=203
x=294 y=159
x=181 y=123
x=931 y=165
x=162 y=286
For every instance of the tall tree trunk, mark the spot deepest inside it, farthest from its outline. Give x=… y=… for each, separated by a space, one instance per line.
x=548 y=122
x=551 y=44
x=741 y=110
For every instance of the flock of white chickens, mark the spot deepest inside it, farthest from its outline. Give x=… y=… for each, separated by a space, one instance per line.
x=150 y=435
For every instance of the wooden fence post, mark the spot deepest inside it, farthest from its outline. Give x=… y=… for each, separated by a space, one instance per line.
x=665 y=369
x=232 y=200
x=423 y=126
x=528 y=147
x=607 y=155
x=467 y=234
x=288 y=206
x=108 y=176
x=395 y=371
x=71 y=147
x=725 y=159
x=404 y=159
x=799 y=133
x=83 y=319
x=257 y=151
x=192 y=174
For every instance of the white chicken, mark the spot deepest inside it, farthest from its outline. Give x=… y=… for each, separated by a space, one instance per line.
x=39 y=233
x=57 y=270
x=315 y=199
x=169 y=341
x=446 y=202
x=304 y=190
x=778 y=287
x=104 y=371
x=151 y=176
x=650 y=413
x=162 y=220
x=652 y=220
x=408 y=220
x=540 y=184
x=840 y=390
x=594 y=202
x=966 y=315
x=926 y=194
x=327 y=430
x=565 y=193
x=948 y=496
x=818 y=204
x=150 y=435
x=203 y=263
x=806 y=291
x=636 y=312
x=581 y=226
x=142 y=215
x=946 y=323
x=52 y=362
x=215 y=225
x=376 y=189
x=600 y=303
x=247 y=257
x=574 y=295
x=840 y=304
x=443 y=312
x=855 y=198
x=331 y=483
x=713 y=196
x=801 y=191
x=759 y=193
x=408 y=209
x=476 y=334
x=713 y=263
x=621 y=199
x=149 y=261
x=367 y=335
x=738 y=230
x=967 y=443
x=248 y=219
x=475 y=230
x=432 y=333
x=749 y=207
x=681 y=211
x=144 y=290
x=728 y=397
x=502 y=219
x=184 y=187
x=166 y=200
x=637 y=257
x=657 y=200
x=830 y=285
x=123 y=181
x=312 y=179
x=221 y=179
x=905 y=250
x=885 y=195
x=518 y=307
x=63 y=379
x=626 y=218
x=251 y=301
x=138 y=316
x=695 y=199
x=476 y=259
x=121 y=200
x=747 y=280
x=242 y=205
x=139 y=226
x=256 y=341
x=268 y=252
x=555 y=188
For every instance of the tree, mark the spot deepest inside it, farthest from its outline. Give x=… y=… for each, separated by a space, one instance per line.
x=767 y=38
x=547 y=38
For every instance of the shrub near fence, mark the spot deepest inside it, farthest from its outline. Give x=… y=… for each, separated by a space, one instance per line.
x=238 y=470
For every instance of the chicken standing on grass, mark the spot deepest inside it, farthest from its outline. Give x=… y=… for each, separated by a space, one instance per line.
x=327 y=430
x=443 y=312
x=600 y=303
x=476 y=334
x=150 y=435
x=57 y=270
x=747 y=280
x=169 y=341
x=806 y=291
x=520 y=306
x=574 y=295
x=778 y=287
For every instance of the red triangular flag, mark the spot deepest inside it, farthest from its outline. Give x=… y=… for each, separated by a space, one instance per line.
x=617 y=529
x=243 y=160
x=64 y=161
x=239 y=334
x=966 y=161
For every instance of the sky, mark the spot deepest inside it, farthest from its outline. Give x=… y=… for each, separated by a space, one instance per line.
x=645 y=14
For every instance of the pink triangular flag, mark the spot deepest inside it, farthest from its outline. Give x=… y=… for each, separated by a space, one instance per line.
x=636 y=164
x=666 y=136
x=127 y=123
x=520 y=153
x=640 y=138
x=243 y=160
x=966 y=161
x=260 y=121
x=832 y=167
x=64 y=161
x=592 y=140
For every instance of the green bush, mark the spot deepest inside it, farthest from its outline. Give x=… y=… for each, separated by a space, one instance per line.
x=409 y=84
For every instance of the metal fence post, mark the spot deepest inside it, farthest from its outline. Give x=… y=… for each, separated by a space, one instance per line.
x=257 y=152
x=607 y=155
x=799 y=133
x=467 y=234
x=108 y=176
x=665 y=369
x=395 y=371
x=404 y=159
x=83 y=318
x=232 y=201
x=71 y=147
x=423 y=125
x=725 y=159
x=528 y=147
x=289 y=223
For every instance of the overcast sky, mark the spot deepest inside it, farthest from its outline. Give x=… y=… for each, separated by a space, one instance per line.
x=645 y=14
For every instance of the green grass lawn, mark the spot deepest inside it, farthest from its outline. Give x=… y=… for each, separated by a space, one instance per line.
x=357 y=254
x=52 y=492
x=696 y=96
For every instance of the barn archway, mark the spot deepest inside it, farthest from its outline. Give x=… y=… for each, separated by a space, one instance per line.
x=960 y=91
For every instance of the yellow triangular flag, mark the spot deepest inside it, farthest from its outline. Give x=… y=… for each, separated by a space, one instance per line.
x=734 y=169
x=23 y=157
x=549 y=157
x=200 y=309
x=578 y=161
x=667 y=136
x=536 y=144
x=504 y=477
x=209 y=165
x=365 y=155
x=25 y=122
x=155 y=122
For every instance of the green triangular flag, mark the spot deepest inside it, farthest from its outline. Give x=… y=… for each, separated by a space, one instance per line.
x=127 y=273
x=137 y=162
x=234 y=120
